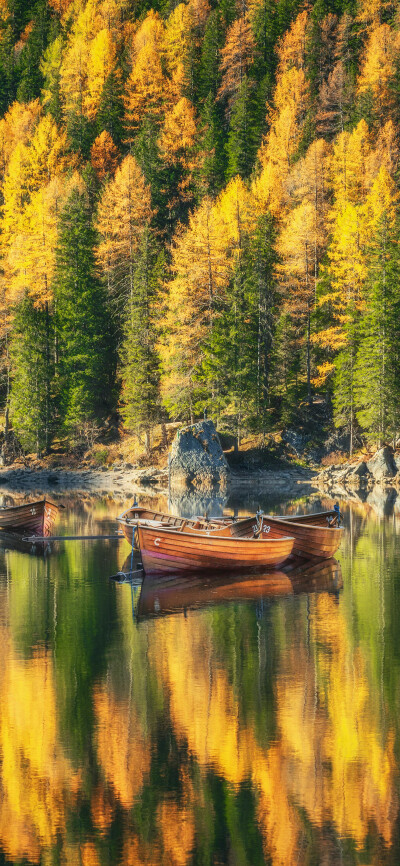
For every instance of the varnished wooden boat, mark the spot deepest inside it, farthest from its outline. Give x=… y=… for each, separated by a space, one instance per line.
x=165 y=594
x=319 y=540
x=31 y=518
x=170 y=550
x=317 y=536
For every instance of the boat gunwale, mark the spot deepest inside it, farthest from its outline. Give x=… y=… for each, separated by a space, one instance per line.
x=203 y=534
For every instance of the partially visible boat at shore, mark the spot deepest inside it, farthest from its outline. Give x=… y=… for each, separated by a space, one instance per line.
x=31 y=518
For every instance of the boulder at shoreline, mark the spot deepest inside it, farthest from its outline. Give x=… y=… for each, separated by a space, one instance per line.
x=197 y=459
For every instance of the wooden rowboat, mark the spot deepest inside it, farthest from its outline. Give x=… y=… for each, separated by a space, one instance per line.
x=319 y=540
x=165 y=594
x=317 y=536
x=170 y=550
x=33 y=518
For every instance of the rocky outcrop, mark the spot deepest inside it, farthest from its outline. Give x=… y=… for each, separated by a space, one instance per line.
x=382 y=464
x=197 y=459
x=383 y=469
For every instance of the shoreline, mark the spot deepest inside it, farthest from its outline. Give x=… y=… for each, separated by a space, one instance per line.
x=122 y=483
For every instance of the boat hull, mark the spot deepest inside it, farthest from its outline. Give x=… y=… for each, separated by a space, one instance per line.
x=310 y=541
x=31 y=518
x=169 y=550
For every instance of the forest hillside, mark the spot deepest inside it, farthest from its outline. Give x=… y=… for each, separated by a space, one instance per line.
x=199 y=213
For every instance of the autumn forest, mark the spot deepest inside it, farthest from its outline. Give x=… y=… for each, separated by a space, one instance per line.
x=199 y=213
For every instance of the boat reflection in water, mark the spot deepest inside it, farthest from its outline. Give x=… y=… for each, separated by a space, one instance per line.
x=168 y=594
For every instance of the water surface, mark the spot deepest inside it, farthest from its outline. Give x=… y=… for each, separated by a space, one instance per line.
x=201 y=721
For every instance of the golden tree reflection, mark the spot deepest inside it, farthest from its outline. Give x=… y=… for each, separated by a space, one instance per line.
x=37 y=781
x=123 y=751
x=329 y=758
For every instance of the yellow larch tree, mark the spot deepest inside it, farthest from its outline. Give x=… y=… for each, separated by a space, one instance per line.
x=147 y=87
x=178 y=135
x=16 y=127
x=47 y=152
x=30 y=170
x=342 y=284
x=309 y=179
x=371 y=12
x=290 y=104
x=299 y=243
x=384 y=152
x=237 y=56
x=104 y=155
x=76 y=70
x=199 y=274
x=124 y=212
x=102 y=61
x=73 y=75
x=235 y=208
x=176 y=46
x=32 y=253
x=15 y=192
x=379 y=66
x=176 y=143
x=60 y=6
x=349 y=176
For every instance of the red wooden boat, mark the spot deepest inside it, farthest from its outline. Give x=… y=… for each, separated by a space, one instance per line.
x=31 y=518
x=312 y=540
x=165 y=594
x=225 y=548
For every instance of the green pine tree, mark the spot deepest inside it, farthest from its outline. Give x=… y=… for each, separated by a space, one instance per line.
x=377 y=378
x=32 y=404
x=86 y=366
x=209 y=68
x=210 y=175
x=111 y=109
x=344 y=384
x=140 y=364
x=243 y=138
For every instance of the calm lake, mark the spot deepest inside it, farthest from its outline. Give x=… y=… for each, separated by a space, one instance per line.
x=237 y=722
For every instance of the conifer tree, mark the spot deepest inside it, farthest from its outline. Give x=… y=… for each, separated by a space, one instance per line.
x=286 y=365
x=344 y=402
x=33 y=405
x=377 y=372
x=50 y=67
x=139 y=358
x=238 y=349
x=209 y=71
x=28 y=64
x=86 y=364
x=195 y=292
x=110 y=110
x=243 y=137
x=210 y=155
